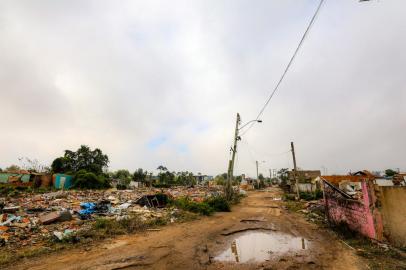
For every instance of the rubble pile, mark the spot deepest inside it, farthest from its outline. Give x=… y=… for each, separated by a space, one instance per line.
x=197 y=194
x=32 y=218
x=314 y=210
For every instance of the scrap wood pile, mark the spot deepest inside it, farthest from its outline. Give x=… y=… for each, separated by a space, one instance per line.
x=33 y=218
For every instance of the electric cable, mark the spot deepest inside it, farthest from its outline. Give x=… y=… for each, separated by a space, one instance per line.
x=287 y=67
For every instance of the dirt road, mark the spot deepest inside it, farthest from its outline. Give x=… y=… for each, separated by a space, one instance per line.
x=200 y=244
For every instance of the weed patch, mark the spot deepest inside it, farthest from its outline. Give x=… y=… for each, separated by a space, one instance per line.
x=185 y=203
x=310 y=196
x=294 y=206
x=8 y=257
x=219 y=204
x=378 y=256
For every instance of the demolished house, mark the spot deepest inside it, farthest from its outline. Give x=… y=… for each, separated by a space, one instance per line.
x=307 y=180
x=30 y=218
x=24 y=178
x=361 y=203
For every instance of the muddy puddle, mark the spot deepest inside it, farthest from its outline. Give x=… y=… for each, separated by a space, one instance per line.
x=261 y=246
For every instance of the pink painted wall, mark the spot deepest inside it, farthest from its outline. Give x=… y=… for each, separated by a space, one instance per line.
x=358 y=215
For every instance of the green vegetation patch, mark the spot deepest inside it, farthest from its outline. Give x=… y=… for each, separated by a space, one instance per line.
x=207 y=207
x=219 y=203
x=185 y=203
x=379 y=256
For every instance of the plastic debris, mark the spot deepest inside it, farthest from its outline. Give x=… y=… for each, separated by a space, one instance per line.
x=60 y=214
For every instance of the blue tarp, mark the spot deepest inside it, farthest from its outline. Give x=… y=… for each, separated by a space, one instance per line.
x=88 y=208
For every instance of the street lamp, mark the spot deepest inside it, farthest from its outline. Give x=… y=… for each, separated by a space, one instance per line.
x=228 y=189
x=256 y=120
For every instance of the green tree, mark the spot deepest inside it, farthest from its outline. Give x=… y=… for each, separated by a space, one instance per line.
x=84 y=179
x=83 y=159
x=140 y=175
x=261 y=179
x=13 y=168
x=237 y=180
x=165 y=177
x=59 y=165
x=121 y=174
x=220 y=179
x=283 y=176
x=162 y=168
x=124 y=177
x=390 y=172
x=185 y=179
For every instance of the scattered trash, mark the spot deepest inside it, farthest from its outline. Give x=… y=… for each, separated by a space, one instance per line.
x=8 y=220
x=63 y=235
x=124 y=205
x=32 y=218
x=88 y=208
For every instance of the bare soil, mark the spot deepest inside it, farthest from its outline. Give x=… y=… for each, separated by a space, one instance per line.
x=194 y=244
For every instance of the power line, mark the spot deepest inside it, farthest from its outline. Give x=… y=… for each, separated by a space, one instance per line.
x=245 y=143
x=265 y=156
x=287 y=67
x=277 y=154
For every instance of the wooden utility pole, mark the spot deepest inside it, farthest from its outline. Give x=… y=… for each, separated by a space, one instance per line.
x=295 y=176
x=256 y=162
x=229 y=189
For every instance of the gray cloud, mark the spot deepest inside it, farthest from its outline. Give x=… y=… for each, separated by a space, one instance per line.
x=121 y=76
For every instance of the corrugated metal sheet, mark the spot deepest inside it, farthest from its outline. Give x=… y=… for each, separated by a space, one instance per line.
x=63 y=181
x=5 y=177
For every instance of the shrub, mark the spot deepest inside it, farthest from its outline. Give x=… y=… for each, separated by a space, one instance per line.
x=219 y=203
x=289 y=197
x=187 y=204
x=84 y=179
x=109 y=227
x=308 y=196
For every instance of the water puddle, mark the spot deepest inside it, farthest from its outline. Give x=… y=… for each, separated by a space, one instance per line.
x=261 y=246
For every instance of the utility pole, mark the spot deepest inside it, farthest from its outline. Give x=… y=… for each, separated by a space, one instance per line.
x=295 y=176
x=229 y=189
x=256 y=162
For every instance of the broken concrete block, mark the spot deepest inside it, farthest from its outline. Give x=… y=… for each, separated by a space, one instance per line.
x=49 y=218
x=65 y=216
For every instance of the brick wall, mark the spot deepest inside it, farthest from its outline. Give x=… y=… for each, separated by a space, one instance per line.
x=357 y=214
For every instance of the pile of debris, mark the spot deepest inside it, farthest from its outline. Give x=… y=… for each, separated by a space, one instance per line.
x=314 y=211
x=197 y=194
x=31 y=218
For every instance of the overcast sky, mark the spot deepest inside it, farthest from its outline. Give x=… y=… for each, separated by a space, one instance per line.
x=160 y=82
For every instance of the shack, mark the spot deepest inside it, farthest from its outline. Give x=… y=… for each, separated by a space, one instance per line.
x=62 y=181
x=25 y=178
